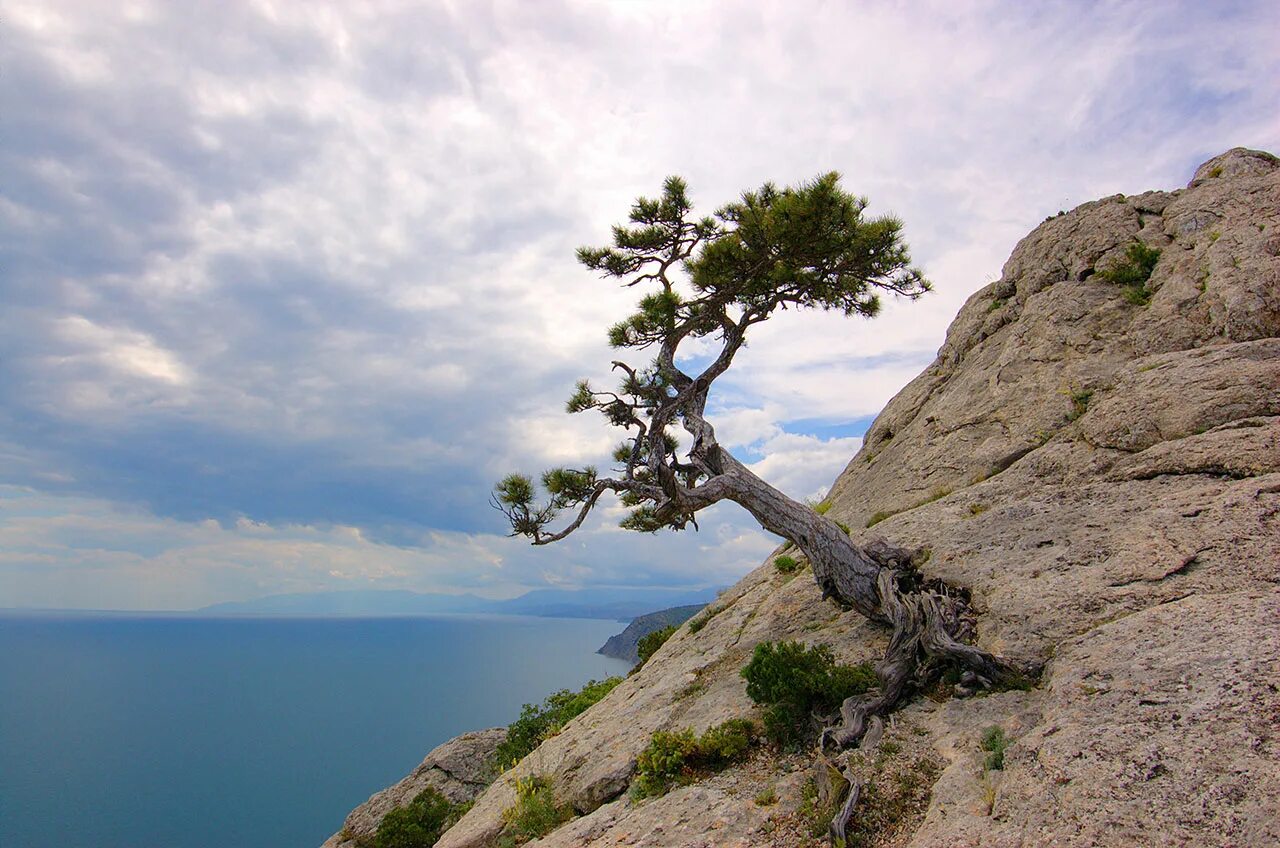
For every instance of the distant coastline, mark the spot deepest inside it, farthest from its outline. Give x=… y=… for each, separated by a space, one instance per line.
x=625 y=645
x=608 y=604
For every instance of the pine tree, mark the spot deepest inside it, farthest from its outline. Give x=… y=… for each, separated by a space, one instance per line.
x=713 y=278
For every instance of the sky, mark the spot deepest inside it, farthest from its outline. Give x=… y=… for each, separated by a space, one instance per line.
x=285 y=287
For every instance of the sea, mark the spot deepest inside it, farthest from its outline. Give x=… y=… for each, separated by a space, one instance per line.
x=169 y=731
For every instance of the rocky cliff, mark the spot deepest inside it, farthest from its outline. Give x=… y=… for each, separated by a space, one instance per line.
x=1100 y=468
x=624 y=645
x=459 y=770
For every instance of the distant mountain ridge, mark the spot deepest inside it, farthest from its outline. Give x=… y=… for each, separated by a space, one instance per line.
x=614 y=604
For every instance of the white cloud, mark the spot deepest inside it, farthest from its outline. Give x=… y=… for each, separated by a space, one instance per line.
x=804 y=466
x=741 y=427
x=342 y=235
x=124 y=351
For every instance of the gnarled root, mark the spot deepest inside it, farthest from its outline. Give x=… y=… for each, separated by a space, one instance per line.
x=929 y=621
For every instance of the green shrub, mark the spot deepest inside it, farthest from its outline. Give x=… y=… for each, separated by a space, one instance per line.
x=876 y=518
x=794 y=680
x=1079 y=401
x=676 y=758
x=535 y=813
x=725 y=743
x=994 y=743
x=785 y=564
x=650 y=643
x=419 y=824
x=542 y=721
x=1137 y=295
x=700 y=620
x=1135 y=268
x=1133 y=271
x=663 y=762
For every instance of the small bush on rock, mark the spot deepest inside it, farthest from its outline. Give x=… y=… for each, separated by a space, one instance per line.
x=700 y=620
x=420 y=823
x=877 y=517
x=725 y=743
x=994 y=743
x=650 y=643
x=794 y=681
x=542 y=721
x=823 y=506
x=1133 y=271
x=663 y=762
x=785 y=564
x=535 y=813
x=676 y=758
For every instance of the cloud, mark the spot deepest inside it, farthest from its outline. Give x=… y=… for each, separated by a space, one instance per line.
x=81 y=552
x=803 y=466
x=314 y=268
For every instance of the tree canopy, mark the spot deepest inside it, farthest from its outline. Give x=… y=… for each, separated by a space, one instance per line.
x=808 y=246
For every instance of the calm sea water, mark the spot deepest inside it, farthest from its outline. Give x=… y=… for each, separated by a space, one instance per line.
x=163 y=732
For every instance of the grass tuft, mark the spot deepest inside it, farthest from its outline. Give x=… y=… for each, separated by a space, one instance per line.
x=535 y=814
x=994 y=742
x=1133 y=271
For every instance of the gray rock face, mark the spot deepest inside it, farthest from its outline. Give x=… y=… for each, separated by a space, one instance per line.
x=1159 y=727
x=1104 y=478
x=458 y=770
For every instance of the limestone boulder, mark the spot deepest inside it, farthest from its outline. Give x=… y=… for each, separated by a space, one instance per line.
x=458 y=770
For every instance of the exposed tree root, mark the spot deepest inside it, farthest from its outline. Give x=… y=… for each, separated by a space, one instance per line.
x=931 y=623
